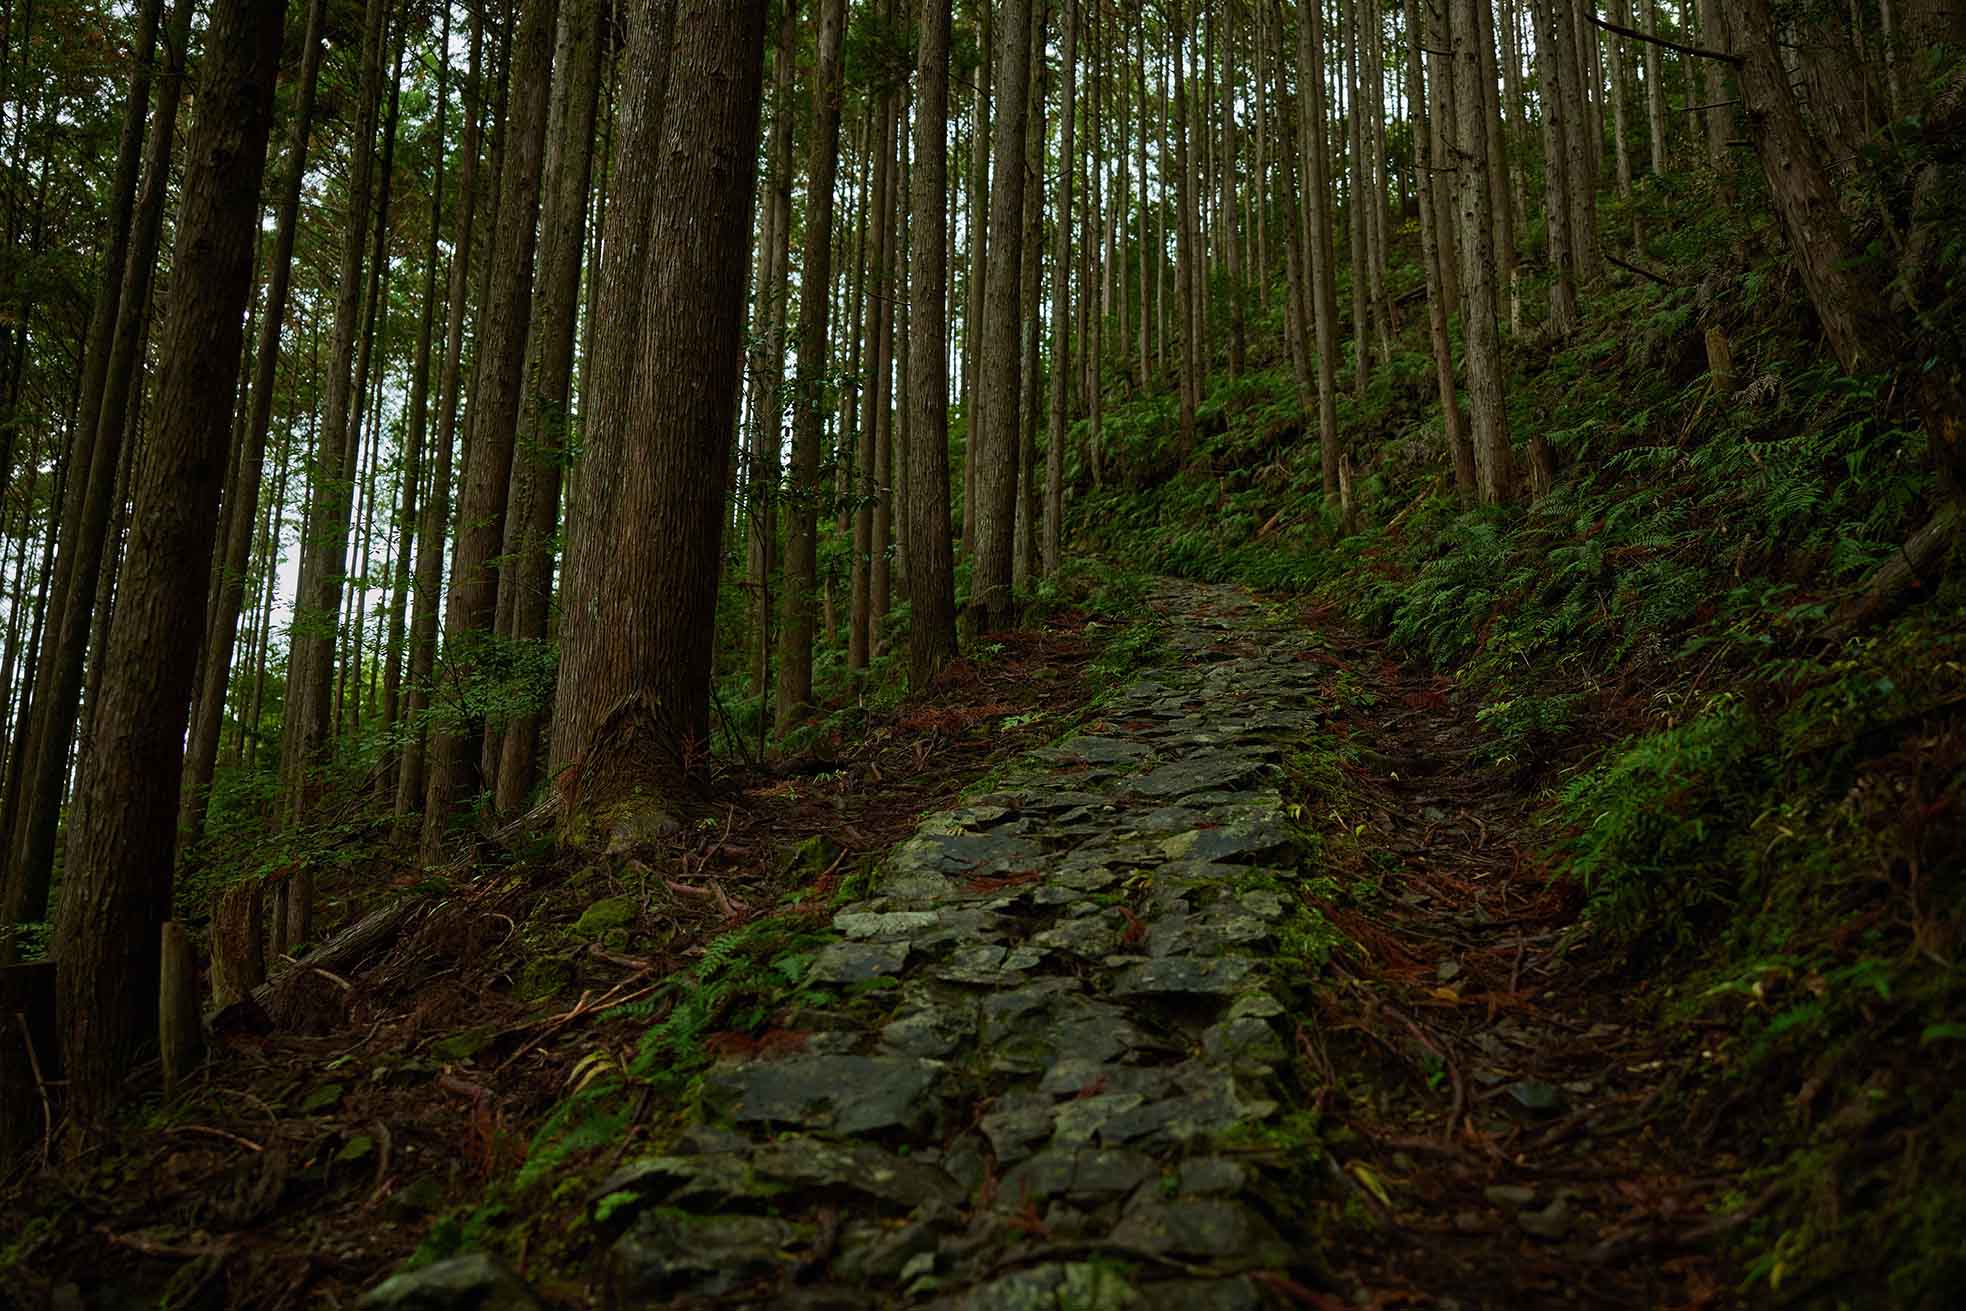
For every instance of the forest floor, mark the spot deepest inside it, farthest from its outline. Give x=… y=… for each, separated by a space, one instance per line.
x=1233 y=981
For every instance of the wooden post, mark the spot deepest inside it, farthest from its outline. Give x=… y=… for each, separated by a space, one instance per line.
x=30 y=1056
x=180 y=1031
x=238 y=942
x=1720 y=361
x=1347 y=507
x=300 y=906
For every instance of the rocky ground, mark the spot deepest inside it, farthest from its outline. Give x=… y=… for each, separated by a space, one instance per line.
x=1241 y=995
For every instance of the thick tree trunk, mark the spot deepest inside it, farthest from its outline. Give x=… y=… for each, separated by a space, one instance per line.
x=634 y=692
x=117 y=894
x=809 y=389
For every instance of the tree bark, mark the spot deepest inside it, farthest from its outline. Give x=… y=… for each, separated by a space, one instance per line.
x=471 y=607
x=89 y=509
x=1494 y=465
x=532 y=509
x=117 y=894
x=633 y=701
x=1323 y=288
x=925 y=530
x=1061 y=292
x=1000 y=361
x=809 y=388
x=304 y=737
x=1460 y=448
x=411 y=772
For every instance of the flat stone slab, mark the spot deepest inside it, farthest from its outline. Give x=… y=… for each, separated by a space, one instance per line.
x=835 y=1093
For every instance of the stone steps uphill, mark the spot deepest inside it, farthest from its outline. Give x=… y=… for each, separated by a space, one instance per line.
x=1078 y=1097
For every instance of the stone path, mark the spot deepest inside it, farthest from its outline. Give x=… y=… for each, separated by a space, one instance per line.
x=1080 y=1098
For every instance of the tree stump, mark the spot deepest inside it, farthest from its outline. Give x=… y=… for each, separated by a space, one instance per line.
x=30 y=1055
x=180 y=1027
x=238 y=942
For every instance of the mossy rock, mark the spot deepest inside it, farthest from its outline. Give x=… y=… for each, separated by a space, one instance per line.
x=812 y=857
x=545 y=976
x=463 y=1046
x=605 y=915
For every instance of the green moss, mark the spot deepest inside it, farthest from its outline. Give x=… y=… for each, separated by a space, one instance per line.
x=606 y=914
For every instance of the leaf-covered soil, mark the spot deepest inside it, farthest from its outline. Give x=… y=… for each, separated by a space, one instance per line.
x=1226 y=975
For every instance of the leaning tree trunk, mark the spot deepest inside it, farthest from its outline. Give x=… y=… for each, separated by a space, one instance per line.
x=634 y=691
x=117 y=893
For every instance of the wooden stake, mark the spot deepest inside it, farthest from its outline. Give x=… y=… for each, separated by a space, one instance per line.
x=180 y=1032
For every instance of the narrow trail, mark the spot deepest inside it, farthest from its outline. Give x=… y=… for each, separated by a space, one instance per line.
x=1182 y=1012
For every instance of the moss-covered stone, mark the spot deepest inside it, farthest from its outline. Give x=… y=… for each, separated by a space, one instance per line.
x=606 y=914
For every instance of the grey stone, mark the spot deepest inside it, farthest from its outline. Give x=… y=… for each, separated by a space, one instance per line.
x=1080 y=1285
x=885 y=926
x=833 y=1093
x=668 y=1253
x=1068 y=1171
x=1183 y=974
x=929 y=1028
x=1091 y=936
x=473 y=1282
x=1213 y=1174
x=1242 y=1041
x=857 y=962
x=1016 y=1123
x=1212 y=1228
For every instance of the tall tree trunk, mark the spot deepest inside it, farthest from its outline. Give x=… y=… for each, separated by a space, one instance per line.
x=634 y=690
x=767 y=444
x=925 y=522
x=1655 y=92
x=532 y=510
x=999 y=366
x=1460 y=448
x=117 y=894
x=89 y=506
x=1231 y=239
x=416 y=436
x=1557 y=129
x=1324 y=279
x=471 y=607
x=809 y=389
x=242 y=502
x=304 y=734
x=1494 y=467
x=880 y=304
x=411 y=772
x=1061 y=292
x=1187 y=237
